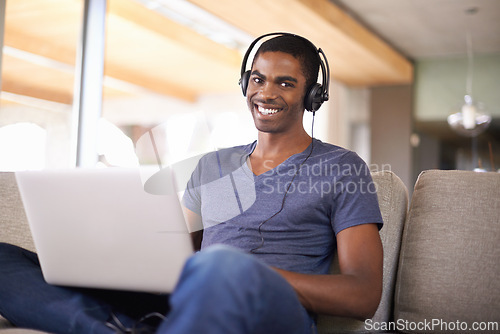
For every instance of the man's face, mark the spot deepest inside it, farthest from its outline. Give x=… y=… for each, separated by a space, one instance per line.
x=275 y=93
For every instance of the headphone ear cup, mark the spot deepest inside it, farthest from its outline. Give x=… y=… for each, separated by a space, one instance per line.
x=245 y=77
x=314 y=98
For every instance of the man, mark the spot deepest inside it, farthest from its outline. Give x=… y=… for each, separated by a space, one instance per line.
x=270 y=214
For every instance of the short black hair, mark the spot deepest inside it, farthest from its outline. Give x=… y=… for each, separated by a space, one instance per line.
x=298 y=47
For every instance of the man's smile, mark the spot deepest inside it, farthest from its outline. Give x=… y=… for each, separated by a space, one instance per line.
x=267 y=111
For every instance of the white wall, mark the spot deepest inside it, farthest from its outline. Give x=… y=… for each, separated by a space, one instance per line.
x=440 y=85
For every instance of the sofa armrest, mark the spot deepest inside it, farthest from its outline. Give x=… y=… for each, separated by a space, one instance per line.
x=393 y=201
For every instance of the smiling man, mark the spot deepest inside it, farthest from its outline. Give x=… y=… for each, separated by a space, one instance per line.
x=269 y=217
x=309 y=200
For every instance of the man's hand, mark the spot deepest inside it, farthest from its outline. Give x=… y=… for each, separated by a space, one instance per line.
x=356 y=291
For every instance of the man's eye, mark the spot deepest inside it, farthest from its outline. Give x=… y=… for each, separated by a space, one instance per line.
x=286 y=84
x=257 y=80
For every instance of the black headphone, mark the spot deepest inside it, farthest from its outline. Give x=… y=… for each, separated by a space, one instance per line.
x=316 y=94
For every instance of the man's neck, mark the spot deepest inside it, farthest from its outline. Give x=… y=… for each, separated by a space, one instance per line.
x=273 y=149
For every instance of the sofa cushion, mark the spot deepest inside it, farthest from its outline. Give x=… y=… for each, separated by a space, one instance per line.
x=4 y=323
x=393 y=201
x=14 y=227
x=450 y=251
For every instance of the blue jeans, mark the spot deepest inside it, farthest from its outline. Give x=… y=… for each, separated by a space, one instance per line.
x=221 y=290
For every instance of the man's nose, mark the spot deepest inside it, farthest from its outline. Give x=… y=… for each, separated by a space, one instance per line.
x=268 y=91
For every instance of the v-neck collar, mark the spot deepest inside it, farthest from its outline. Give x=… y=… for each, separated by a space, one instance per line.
x=290 y=160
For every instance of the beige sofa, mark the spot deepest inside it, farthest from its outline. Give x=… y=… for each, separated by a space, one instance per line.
x=441 y=253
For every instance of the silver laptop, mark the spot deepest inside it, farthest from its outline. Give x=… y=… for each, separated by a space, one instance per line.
x=99 y=228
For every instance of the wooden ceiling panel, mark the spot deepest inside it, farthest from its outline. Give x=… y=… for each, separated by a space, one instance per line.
x=148 y=50
x=25 y=78
x=50 y=28
x=357 y=57
x=173 y=32
x=144 y=57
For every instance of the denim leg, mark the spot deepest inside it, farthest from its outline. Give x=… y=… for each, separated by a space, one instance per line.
x=223 y=290
x=28 y=301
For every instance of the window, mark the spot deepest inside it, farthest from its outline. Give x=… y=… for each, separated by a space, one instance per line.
x=38 y=61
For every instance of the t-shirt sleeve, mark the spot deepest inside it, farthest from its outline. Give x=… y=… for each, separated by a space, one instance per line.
x=355 y=201
x=212 y=167
x=192 y=196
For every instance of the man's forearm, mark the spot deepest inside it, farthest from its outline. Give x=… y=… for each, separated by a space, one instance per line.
x=356 y=291
x=340 y=295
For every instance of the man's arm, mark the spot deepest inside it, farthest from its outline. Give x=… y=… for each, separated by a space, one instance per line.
x=195 y=227
x=356 y=291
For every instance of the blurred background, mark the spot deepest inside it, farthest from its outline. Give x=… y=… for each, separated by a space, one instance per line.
x=415 y=84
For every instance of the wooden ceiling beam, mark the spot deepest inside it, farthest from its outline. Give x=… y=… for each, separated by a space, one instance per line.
x=164 y=87
x=19 y=87
x=41 y=46
x=24 y=78
x=175 y=32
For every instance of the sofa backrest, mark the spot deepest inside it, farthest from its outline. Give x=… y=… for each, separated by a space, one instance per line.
x=393 y=201
x=14 y=227
x=449 y=268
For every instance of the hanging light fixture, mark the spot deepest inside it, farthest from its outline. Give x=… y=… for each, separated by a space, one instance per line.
x=472 y=119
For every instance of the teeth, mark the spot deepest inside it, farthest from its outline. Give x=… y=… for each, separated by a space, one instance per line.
x=265 y=111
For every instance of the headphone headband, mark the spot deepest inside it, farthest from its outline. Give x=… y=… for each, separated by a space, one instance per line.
x=316 y=95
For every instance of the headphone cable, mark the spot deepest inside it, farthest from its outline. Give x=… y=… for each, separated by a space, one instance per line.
x=287 y=189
